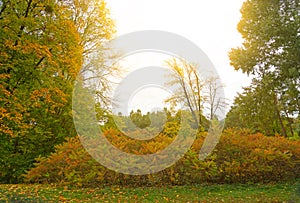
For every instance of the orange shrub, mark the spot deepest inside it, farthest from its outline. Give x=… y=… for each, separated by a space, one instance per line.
x=238 y=158
x=70 y=164
x=257 y=158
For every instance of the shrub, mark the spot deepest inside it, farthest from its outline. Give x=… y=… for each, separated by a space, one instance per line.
x=238 y=158
x=70 y=164
x=257 y=158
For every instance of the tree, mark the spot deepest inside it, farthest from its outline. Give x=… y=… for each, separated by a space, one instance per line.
x=158 y=119
x=254 y=109
x=196 y=93
x=41 y=53
x=270 y=52
x=140 y=120
x=190 y=87
x=95 y=27
x=213 y=97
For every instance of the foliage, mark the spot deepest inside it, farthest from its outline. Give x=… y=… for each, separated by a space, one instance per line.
x=140 y=120
x=257 y=158
x=95 y=27
x=239 y=157
x=166 y=121
x=194 y=93
x=189 y=92
x=40 y=57
x=254 y=109
x=42 y=51
x=70 y=163
x=271 y=54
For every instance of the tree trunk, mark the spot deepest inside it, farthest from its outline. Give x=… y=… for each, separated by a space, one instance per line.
x=279 y=116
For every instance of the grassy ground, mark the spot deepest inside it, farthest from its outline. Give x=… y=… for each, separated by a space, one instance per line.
x=284 y=192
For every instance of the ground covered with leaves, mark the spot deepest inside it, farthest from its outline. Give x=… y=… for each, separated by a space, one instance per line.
x=283 y=192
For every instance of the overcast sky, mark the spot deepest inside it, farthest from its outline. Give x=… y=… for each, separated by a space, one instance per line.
x=210 y=24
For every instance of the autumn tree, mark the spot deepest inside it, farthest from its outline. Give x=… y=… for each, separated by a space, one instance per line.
x=41 y=53
x=95 y=28
x=195 y=93
x=189 y=90
x=270 y=53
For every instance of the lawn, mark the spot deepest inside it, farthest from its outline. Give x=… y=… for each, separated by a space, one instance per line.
x=283 y=192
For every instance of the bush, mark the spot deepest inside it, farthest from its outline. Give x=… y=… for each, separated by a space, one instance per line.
x=238 y=158
x=257 y=158
x=70 y=164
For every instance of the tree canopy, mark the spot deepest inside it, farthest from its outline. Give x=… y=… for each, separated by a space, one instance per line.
x=270 y=53
x=44 y=44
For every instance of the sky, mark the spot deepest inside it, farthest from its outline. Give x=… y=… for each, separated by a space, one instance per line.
x=210 y=24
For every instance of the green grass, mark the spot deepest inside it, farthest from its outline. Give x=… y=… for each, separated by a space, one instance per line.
x=283 y=192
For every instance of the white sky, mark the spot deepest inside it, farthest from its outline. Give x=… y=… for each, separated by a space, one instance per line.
x=210 y=24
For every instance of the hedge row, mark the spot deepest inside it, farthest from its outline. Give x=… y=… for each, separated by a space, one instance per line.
x=240 y=157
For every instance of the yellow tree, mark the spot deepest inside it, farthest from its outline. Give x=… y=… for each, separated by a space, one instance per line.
x=189 y=90
x=91 y=18
x=41 y=53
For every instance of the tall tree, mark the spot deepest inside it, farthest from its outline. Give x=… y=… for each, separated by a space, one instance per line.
x=214 y=100
x=254 y=109
x=271 y=53
x=41 y=53
x=195 y=93
x=40 y=57
x=95 y=27
x=189 y=90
